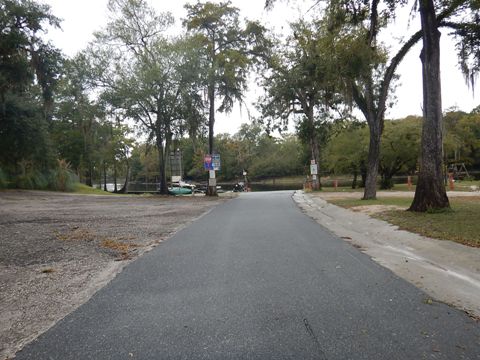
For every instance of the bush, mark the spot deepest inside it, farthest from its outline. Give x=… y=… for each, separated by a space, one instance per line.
x=32 y=180
x=62 y=178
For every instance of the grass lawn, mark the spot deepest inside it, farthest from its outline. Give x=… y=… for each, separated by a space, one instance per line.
x=458 y=186
x=461 y=223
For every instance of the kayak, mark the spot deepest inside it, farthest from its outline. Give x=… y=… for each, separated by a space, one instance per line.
x=179 y=190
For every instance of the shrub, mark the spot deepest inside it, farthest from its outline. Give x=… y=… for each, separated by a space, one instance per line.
x=3 y=180
x=62 y=178
x=32 y=180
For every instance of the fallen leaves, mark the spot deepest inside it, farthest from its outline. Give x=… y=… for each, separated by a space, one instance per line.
x=75 y=234
x=124 y=249
x=48 y=271
x=120 y=245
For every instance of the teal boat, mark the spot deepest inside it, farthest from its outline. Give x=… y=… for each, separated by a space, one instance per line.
x=176 y=190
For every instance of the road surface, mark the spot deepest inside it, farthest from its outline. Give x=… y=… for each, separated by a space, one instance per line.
x=257 y=279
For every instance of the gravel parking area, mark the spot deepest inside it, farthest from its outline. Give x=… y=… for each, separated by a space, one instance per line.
x=57 y=250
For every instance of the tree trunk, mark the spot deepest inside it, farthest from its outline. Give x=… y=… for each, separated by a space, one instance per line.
x=355 y=177
x=124 y=189
x=211 y=190
x=162 y=166
x=430 y=192
x=89 y=180
x=105 y=176
x=363 y=173
x=115 y=188
x=387 y=181
x=370 y=192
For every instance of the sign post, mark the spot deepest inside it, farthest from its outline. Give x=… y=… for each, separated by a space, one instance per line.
x=314 y=173
x=212 y=163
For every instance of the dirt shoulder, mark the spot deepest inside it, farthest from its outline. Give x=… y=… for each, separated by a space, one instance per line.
x=57 y=250
x=447 y=271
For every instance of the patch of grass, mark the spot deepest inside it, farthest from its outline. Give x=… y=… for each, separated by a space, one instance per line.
x=79 y=188
x=403 y=187
x=349 y=203
x=465 y=185
x=460 y=223
x=340 y=189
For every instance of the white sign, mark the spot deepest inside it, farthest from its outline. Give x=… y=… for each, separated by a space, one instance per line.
x=314 y=169
x=216 y=162
x=212 y=174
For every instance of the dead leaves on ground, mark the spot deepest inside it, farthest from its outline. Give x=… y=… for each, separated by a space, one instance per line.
x=123 y=249
x=121 y=246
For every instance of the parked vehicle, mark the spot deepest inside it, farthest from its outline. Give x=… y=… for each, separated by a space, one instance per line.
x=239 y=187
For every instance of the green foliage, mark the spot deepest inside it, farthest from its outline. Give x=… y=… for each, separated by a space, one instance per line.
x=278 y=158
x=29 y=69
x=400 y=149
x=347 y=151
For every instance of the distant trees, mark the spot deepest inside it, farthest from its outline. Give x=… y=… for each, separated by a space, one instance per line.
x=462 y=138
x=400 y=149
x=249 y=149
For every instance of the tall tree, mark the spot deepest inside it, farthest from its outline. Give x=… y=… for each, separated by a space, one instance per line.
x=430 y=192
x=230 y=48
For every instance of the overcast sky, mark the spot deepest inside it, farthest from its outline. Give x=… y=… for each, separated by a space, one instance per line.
x=82 y=17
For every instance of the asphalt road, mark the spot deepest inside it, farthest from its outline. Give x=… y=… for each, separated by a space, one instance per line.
x=257 y=279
